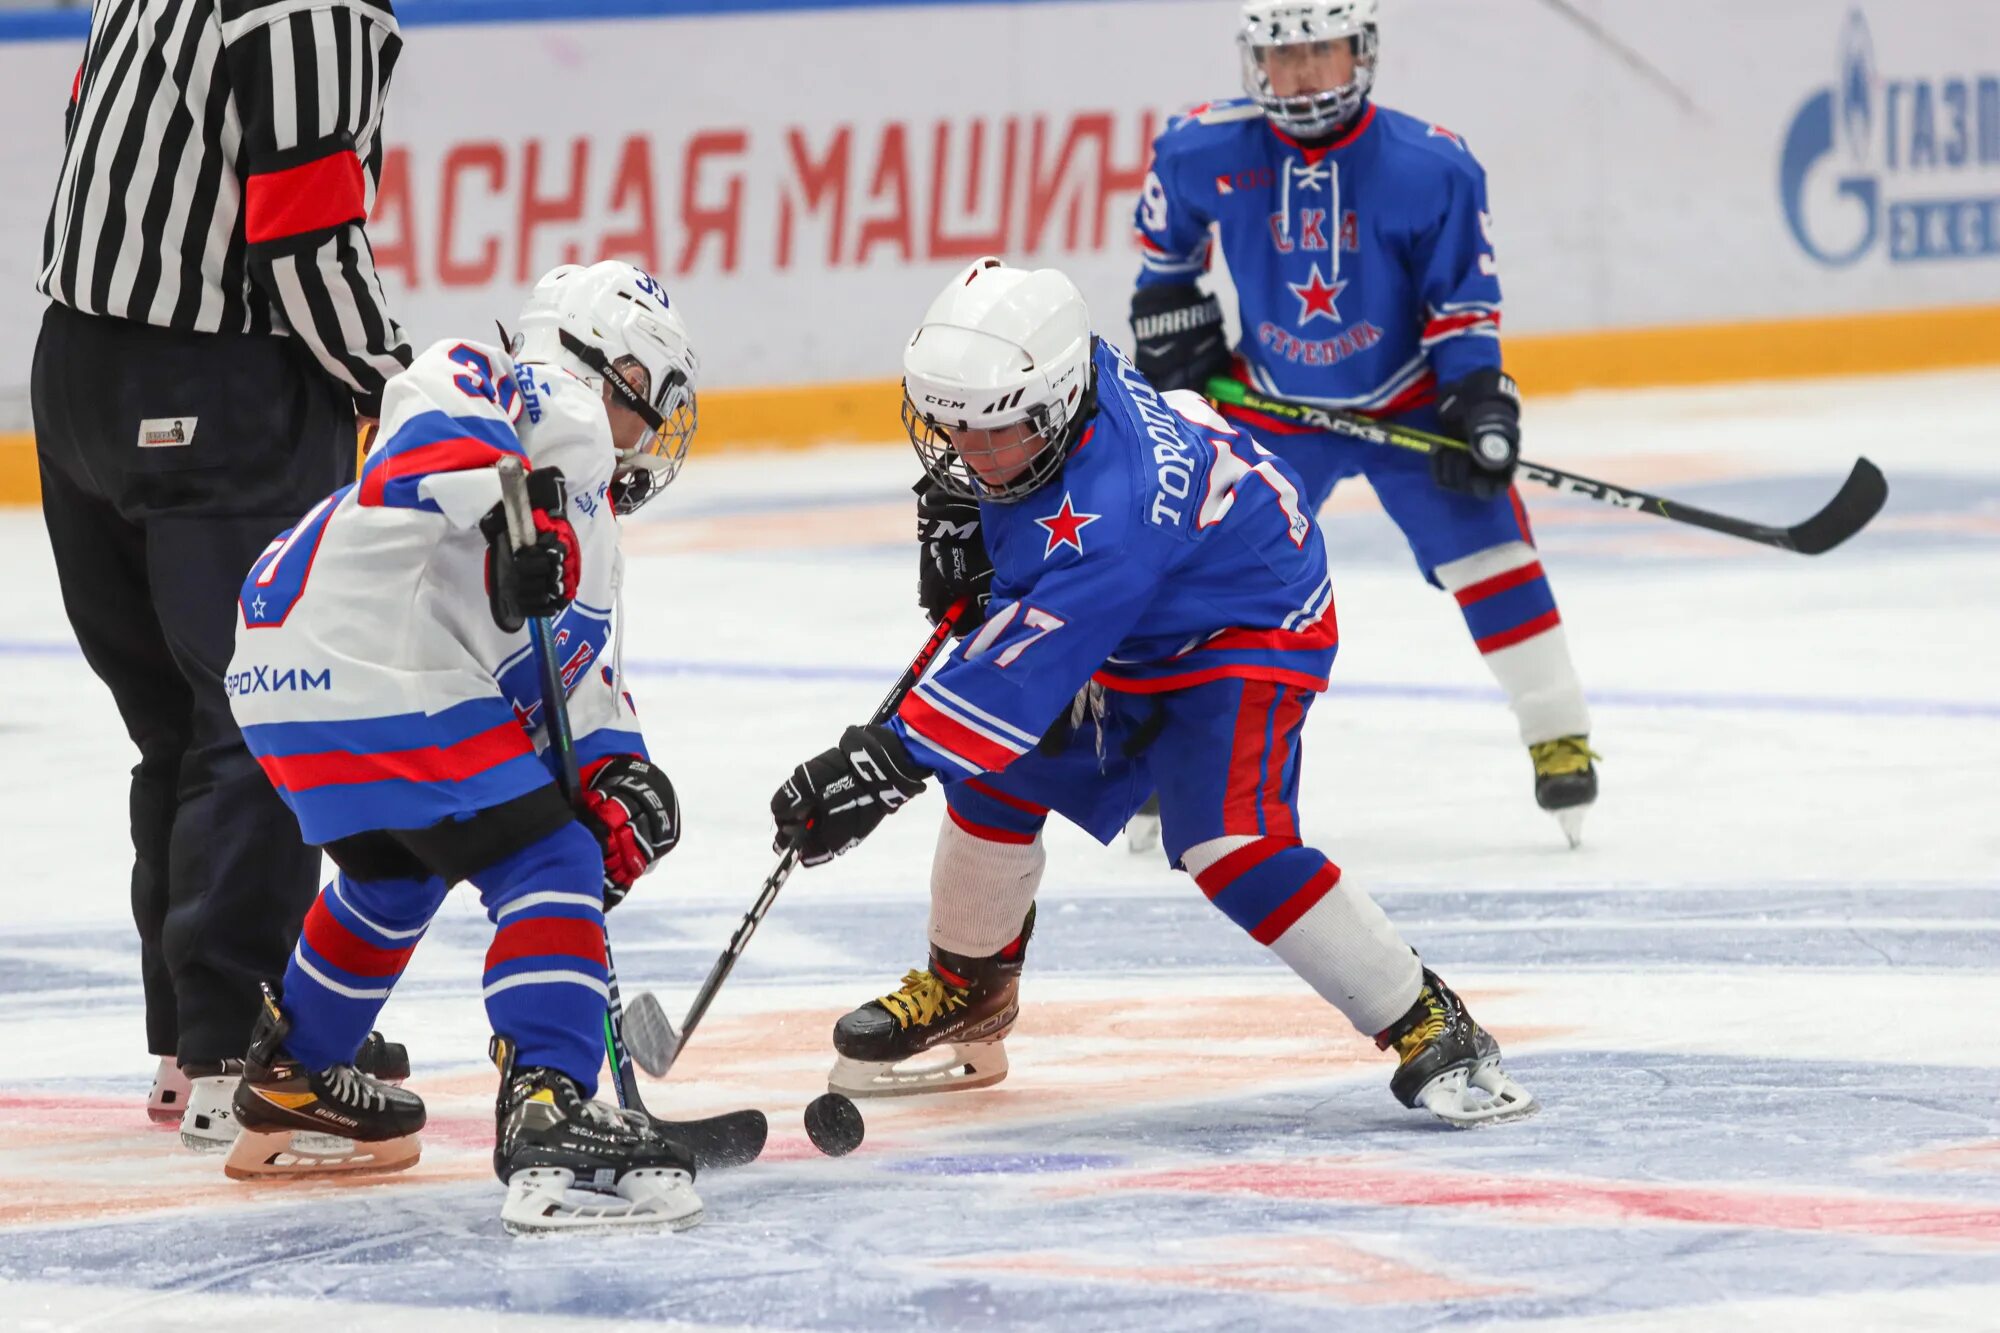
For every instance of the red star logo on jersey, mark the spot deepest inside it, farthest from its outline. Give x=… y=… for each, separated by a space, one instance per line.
x=1316 y=298
x=1065 y=527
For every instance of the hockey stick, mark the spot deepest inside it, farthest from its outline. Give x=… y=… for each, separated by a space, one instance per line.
x=724 y=1140
x=1860 y=497
x=663 y=1045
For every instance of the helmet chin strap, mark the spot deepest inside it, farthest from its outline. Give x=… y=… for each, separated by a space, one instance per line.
x=629 y=396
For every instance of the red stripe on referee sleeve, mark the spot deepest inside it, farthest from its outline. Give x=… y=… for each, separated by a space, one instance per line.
x=453 y=763
x=1493 y=643
x=987 y=833
x=547 y=937
x=1499 y=583
x=953 y=737
x=1297 y=905
x=309 y=197
x=334 y=942
x=457 y=455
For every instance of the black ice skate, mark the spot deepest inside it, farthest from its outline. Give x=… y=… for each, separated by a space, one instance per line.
x=572 y=1164
x=1450 y=1066
x=1566 y=781
x=207 y=1092
x=944 y=1030
x=296 y=1121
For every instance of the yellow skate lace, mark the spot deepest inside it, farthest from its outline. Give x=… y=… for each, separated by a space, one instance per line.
x=922 y=998
x=1564 y=754
x=1426 y=1032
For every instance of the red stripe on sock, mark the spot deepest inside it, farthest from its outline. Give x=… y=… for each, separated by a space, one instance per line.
x=1240 y=863
x=1493 y=643
x=1296 y=906
x=1499 y=583
x=547 y=937
x=327 y=937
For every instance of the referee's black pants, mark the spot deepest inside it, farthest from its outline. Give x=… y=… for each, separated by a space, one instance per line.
x=168 y=461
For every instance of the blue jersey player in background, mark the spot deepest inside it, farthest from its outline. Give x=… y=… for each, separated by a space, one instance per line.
x=1157 y=616
x=1360 y=243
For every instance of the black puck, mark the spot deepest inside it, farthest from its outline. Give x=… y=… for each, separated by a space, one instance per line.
x=833 y=1123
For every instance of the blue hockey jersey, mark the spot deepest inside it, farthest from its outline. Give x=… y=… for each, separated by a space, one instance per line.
x=1364 y=267
x=1171 y=550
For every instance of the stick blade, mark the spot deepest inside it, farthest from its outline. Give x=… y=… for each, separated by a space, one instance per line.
x=650 y=1038
x=1861 y=497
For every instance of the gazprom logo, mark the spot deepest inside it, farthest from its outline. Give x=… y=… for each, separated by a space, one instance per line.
x=1893 y=163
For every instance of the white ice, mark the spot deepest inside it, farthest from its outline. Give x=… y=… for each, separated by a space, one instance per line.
x=1758 y=1005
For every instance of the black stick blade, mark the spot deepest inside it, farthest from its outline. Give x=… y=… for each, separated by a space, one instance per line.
x=1861 y=497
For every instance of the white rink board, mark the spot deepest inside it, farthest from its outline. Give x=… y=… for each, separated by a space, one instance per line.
x=804 y=179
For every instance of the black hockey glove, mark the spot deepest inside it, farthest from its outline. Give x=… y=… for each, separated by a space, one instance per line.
x=951 y=556
x=630 y=808
x=1484 y=410
x=540 y=580
x=1180 y=340
x=836 y=799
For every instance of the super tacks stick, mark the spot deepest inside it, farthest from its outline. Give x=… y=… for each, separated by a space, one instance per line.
x=1860 y=498
x=660 y=1046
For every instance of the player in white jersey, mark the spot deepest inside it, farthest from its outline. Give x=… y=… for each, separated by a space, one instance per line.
x=384 y=680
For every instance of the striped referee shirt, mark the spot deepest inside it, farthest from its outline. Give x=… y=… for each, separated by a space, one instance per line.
x=220 y=159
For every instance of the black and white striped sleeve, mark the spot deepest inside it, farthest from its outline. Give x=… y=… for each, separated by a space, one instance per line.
x=310 y=78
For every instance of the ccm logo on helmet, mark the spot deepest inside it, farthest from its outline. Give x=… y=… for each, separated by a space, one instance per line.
x=955 y=404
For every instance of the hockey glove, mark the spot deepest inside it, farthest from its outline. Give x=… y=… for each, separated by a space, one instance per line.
x=836 y=799
x=1484 y=410
x=630 y=808
x=538 y=580
x=952 y=560
x=1180 y=341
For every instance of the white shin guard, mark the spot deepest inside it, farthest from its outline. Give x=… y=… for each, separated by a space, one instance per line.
x=981 y=891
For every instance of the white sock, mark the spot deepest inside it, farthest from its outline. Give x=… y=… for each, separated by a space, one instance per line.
x=1537 y=674
x=1344 y=947
x=981 y=891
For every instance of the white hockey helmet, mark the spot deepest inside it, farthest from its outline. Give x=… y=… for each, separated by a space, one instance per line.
x=1269 y=24
x=601 y=322
x=998 y=347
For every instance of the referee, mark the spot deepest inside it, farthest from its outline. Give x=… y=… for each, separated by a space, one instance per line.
x=215 y=330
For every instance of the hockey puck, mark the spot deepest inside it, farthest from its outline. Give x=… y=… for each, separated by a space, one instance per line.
x=833 y=1123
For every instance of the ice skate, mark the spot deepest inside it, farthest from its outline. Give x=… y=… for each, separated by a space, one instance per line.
x=295 y=1121
x=167 y=1101
x=572 y=1164
x=944 y=1030
x=1450 y=1066
x=1566 y=781
x=208 y=1122
x=1142 y=831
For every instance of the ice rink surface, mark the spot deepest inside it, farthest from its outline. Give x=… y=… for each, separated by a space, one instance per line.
x=1758 y=1006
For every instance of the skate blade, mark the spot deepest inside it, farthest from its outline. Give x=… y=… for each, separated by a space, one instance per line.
x=289 y=1153
x=545 y=1201
x=209 y=1139
x=1571 y=823
x=1142 y=833
x=951 y=1067
x=1476 y=1098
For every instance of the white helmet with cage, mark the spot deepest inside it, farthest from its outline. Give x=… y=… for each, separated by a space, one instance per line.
x=999 y=346
x=605 y=324
x=1270 y=24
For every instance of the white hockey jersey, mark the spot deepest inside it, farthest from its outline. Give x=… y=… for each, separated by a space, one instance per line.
x=369 y=678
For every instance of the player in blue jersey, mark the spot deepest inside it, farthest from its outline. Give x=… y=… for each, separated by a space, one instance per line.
x=1360 y=244
x=1158 y=616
